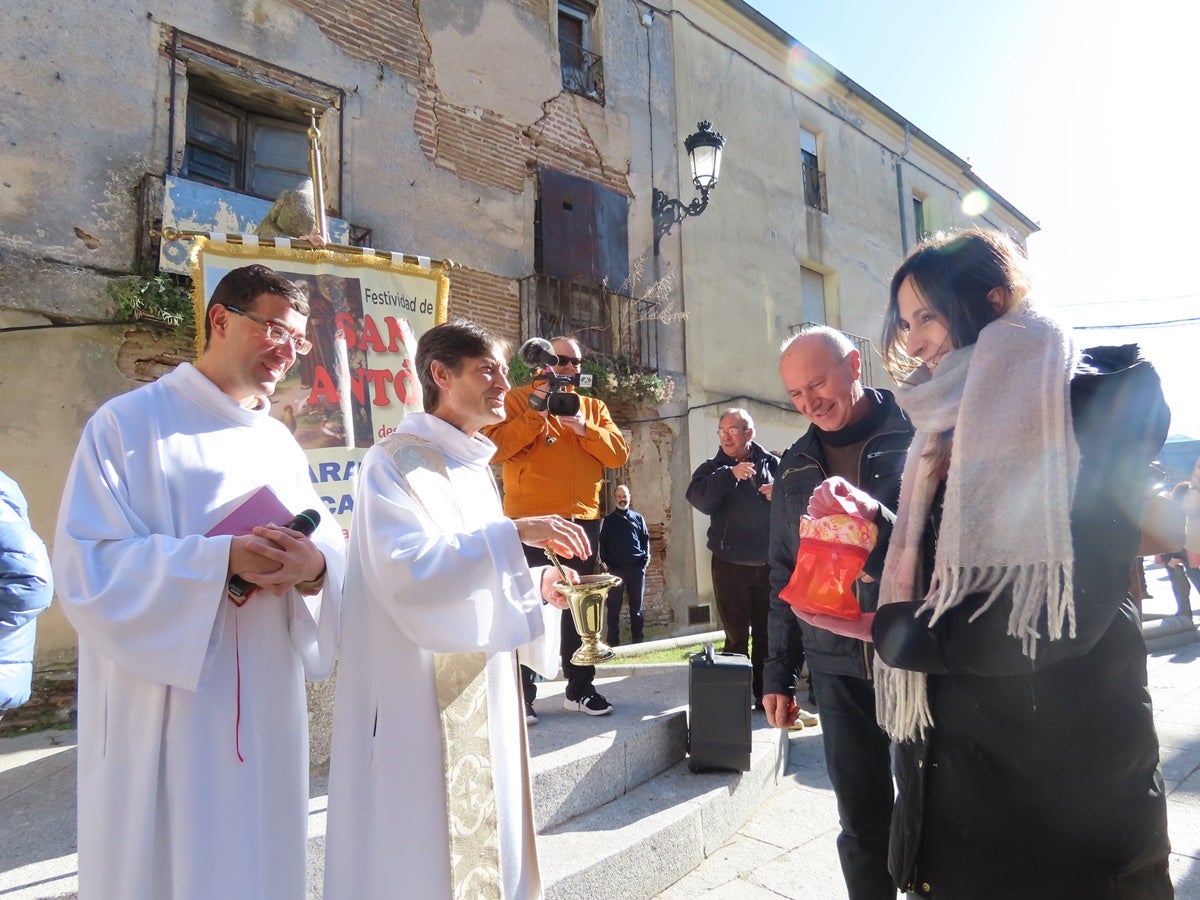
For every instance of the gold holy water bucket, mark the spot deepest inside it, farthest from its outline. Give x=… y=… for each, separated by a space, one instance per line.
x=587 y=612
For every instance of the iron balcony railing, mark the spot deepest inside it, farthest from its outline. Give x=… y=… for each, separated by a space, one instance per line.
x=814 y=188
x=873 y=372
x=604 y=322
x=582 y=71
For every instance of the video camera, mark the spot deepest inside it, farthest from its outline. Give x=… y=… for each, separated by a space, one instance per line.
x=539 y=355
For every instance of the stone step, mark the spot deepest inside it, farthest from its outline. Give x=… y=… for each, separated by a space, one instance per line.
x=617 y=809
x=1168 y=632
x=644 y=841
x=579 y=762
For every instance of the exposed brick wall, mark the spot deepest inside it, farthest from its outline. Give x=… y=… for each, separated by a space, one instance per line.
x=147 y=352
x=425 y=121
x=51 y=702
x=659 y=524
x=560 y=141
x=478 y=145
x=490 y=300
x=384 y=31
x=654 y=610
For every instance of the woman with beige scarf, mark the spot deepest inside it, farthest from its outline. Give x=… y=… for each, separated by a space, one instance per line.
x=1010 y=668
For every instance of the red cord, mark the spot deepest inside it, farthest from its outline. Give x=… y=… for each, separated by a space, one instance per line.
x=237 y=656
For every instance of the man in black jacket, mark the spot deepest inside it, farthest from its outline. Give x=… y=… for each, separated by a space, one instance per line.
x=734 y=490
x=624 y=547
x=861 y=435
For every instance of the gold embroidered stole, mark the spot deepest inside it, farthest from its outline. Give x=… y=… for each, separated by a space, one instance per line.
x=462 y=699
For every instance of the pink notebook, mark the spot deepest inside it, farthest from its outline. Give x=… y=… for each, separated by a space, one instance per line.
x=261 y=507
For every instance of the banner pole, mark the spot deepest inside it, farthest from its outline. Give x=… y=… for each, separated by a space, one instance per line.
x=171 y=234
x=316 y=170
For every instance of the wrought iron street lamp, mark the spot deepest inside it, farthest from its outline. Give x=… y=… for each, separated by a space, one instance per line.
x=704 y=153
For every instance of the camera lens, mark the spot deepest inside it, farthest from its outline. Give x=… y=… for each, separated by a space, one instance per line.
x=560 y=403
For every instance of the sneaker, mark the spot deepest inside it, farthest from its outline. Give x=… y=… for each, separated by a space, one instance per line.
x=592 y=704
x=807 y=719
x=530 y=715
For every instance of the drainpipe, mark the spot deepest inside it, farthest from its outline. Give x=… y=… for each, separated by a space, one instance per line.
x=169 y=169
x=900 y=188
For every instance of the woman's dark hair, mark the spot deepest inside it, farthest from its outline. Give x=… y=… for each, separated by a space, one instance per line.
x=955 y=272
x=450 y=343
x=242 y=286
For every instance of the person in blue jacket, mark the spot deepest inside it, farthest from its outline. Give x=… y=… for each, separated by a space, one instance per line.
x=624 y=547
x=26 y=587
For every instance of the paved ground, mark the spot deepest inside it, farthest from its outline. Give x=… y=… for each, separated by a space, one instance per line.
x=785 y=850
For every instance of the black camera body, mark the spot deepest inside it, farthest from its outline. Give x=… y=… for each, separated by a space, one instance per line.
x=538 y=354
x=559 y=402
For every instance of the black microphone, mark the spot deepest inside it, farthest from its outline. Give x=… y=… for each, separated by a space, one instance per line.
x=538 y=352
x=305 y=522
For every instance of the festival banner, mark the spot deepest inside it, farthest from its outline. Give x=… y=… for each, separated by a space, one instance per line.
x=366 y=312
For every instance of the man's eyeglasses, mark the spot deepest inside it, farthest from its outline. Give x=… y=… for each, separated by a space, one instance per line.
x=730 y=432
x=570 y=361
x=276 y=333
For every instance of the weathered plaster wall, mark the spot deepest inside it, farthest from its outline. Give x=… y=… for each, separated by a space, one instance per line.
x=44 y=404
x=473 y=49
x=449 y=108
x=740 y=261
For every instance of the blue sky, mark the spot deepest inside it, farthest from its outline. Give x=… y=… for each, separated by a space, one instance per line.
x=1083 y=115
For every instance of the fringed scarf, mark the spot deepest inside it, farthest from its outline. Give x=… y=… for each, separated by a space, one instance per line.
x=1005 y=522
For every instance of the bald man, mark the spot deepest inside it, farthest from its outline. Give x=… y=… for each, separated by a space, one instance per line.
x=860 y=434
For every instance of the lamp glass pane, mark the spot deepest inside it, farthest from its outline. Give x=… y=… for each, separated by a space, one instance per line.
x=706 y=162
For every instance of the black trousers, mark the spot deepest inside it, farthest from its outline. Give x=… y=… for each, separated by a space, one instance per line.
x=579 y=678
x=858 y=759
x=743 y=594
x=1193 y=575
x=633 y=584
x=1183 y=592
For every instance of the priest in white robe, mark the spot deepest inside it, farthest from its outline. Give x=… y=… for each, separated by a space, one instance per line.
x=429 y=791
x=193 y=728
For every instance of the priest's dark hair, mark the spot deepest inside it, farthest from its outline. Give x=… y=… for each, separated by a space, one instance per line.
x=451 y=344
x=242 y=286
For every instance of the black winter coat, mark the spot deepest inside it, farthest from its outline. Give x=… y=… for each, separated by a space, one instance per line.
x=1040 y=777
x=739 y=516
x=802 y=468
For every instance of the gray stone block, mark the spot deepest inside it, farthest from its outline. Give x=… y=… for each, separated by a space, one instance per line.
x=641 y=843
